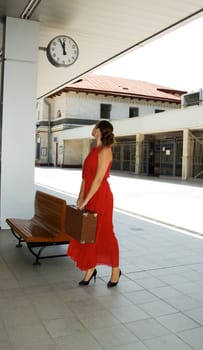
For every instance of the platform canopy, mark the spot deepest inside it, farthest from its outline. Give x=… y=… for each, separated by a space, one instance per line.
x=103 y=30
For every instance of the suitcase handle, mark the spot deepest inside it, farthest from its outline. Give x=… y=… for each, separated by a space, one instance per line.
x=84 y=211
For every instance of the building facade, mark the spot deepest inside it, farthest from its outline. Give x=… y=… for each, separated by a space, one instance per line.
x=65 y=119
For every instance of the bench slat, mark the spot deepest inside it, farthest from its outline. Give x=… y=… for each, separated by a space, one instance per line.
x=50 y=211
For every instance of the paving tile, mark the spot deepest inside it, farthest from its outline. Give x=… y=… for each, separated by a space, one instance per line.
x=147 y=329
x=35 y=344
x=25 y=335
x=78 y=340
x=133 y=346
x=20 y=316
x=198 y=267
x=81 y=308
x=141 y=297
x=114 y=336
x=171 y=271
x=183 y=302
x=151 y=282
x=165 y=292
x=197 y=295
x=98 y=319
x=158 y=308
x=193 y=337
x=129 y=313
x=177 y=322
x=196 y=314
x=167 y=342
x=5 y=343
x=129 y=286
x=135 y=276
x=113 y=301
x=59 y=327
x=187 y=288
x=173 y=279
x=193 y=275
x=51 y=308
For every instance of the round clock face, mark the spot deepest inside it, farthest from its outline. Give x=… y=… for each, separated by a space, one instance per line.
x=62 y=51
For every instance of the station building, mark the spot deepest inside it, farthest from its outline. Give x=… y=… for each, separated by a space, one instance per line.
x=134 y=107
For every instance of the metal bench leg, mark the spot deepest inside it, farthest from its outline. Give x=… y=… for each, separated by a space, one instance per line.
x=19 y=245
x=37 y=255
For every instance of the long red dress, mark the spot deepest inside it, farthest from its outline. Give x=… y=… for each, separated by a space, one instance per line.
x=105 y=250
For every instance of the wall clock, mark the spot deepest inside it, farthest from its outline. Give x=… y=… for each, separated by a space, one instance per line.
x=62 y=51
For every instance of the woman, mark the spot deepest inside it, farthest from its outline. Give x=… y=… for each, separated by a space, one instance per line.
x=95 y=195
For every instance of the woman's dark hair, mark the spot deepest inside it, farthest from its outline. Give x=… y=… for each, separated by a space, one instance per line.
x=107 y=135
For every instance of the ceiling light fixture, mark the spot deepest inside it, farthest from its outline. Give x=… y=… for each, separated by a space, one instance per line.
x=29 y=9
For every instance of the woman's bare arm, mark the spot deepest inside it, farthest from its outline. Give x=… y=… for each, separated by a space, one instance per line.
x=81 y=193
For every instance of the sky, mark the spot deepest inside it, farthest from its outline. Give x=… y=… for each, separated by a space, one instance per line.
x=175 y=60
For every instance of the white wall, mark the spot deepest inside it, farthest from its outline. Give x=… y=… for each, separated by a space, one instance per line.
x=87 y=106
x=174 y=120
x=190 y=118
x=73 y=152
x=19 y=118
x=59 y=103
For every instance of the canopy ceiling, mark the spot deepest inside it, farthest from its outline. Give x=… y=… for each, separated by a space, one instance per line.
x=102 y=29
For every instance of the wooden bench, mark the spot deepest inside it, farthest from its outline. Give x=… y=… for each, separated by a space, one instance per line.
x=46 y=228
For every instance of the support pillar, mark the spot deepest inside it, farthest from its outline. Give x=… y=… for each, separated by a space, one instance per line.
x=19 y=87
x=186 y=159
x=138 y=153
x=85 y=148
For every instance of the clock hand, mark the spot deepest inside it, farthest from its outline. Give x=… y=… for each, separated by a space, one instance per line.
x=63 y=44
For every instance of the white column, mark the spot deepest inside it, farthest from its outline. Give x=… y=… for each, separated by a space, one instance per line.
x=85 y=148
x=186 y=159
x=18 y=118
x=138 y=153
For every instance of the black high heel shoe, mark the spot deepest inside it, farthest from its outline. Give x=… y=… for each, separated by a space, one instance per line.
x=114 y=284
x=85 y=283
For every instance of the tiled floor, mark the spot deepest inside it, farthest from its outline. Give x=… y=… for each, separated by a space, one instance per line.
x=158 y=304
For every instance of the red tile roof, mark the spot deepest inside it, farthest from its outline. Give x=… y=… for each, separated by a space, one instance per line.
x=106 y=85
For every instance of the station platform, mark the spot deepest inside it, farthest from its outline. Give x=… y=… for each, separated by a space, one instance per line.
x=158 y=303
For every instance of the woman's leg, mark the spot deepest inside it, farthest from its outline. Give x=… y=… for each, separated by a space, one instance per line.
x=88 y=274
x=91 y=273
x=115 y=274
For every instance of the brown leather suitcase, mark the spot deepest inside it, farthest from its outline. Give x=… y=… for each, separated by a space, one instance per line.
x=81 y=224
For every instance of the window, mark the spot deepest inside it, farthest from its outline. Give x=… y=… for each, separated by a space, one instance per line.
x=133 y=112
x=105 y=111
x=157 y=110
x=58 y=113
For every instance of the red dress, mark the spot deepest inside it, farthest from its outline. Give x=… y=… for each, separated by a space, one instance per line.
x=105 y=250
